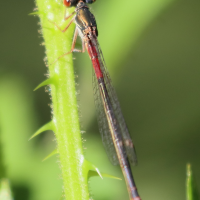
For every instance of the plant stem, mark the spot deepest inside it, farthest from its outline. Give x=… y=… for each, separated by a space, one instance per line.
x=64 y=104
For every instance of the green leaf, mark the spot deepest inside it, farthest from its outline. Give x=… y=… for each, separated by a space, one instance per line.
x=191 y=190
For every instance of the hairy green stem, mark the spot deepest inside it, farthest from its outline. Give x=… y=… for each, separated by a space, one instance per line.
x=65 y=122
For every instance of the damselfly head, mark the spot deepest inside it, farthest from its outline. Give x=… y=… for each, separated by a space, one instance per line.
x=70 y=3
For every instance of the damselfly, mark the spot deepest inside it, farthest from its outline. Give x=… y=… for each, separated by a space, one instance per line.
x=113 y=129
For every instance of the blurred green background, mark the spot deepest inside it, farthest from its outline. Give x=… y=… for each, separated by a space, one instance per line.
x=152 y=51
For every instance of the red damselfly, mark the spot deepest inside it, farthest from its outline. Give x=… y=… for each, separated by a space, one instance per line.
x=113 y=129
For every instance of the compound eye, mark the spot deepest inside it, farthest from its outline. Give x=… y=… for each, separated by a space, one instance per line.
x=67 y=3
